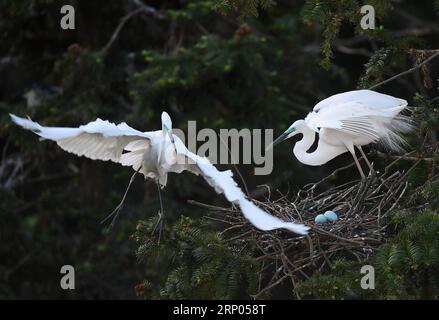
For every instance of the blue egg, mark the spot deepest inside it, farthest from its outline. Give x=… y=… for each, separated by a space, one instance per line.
x=320 y=219
x=331 y=216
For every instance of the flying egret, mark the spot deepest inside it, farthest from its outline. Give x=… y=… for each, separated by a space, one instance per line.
x=154 y=154
x=347 y=120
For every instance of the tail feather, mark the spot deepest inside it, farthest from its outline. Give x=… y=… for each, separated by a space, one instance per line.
x=393 y=131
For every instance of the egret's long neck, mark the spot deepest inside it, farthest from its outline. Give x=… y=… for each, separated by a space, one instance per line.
x=301 y=147
x=167 y=153
x=161 y=146
x=320 y=156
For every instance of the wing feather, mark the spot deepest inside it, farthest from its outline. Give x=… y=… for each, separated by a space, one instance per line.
x=97 y=140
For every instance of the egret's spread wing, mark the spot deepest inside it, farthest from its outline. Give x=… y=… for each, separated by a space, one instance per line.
x=97 y=140
x=223 y=182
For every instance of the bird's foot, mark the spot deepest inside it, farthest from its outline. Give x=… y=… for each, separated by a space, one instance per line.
x=115 y=214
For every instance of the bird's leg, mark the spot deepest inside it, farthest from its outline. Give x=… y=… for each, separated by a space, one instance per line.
x=161 y=221
x=357 y=163
x=365 y=158
x=115 y=213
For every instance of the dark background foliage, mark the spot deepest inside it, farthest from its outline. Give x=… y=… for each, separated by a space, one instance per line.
x=225 y=64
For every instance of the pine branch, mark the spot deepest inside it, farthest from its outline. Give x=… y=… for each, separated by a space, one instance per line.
x=407 y=71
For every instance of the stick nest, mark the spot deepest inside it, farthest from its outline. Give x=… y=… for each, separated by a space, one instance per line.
x=363 y=207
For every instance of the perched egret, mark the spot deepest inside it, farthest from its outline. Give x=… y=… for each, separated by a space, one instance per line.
x=347 y=120
x=154 y=154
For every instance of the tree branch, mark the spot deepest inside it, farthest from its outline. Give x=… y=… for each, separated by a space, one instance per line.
x=407 y=71
x=148 y=9
x=141 y=8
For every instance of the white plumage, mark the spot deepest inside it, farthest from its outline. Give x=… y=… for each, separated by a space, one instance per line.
x=154 y=154
x=354 y=118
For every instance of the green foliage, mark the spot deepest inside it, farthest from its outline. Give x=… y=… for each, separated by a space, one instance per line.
x=243 y=8
x=314 y=10
x=409 y=265
x=331 y=15
x=196 y=262
x=337 y=284
x=214 y=65
x=426 y=112
x=374 y=68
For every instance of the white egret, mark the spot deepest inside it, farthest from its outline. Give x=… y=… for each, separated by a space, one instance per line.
x=347 y=120
x=154 y=154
